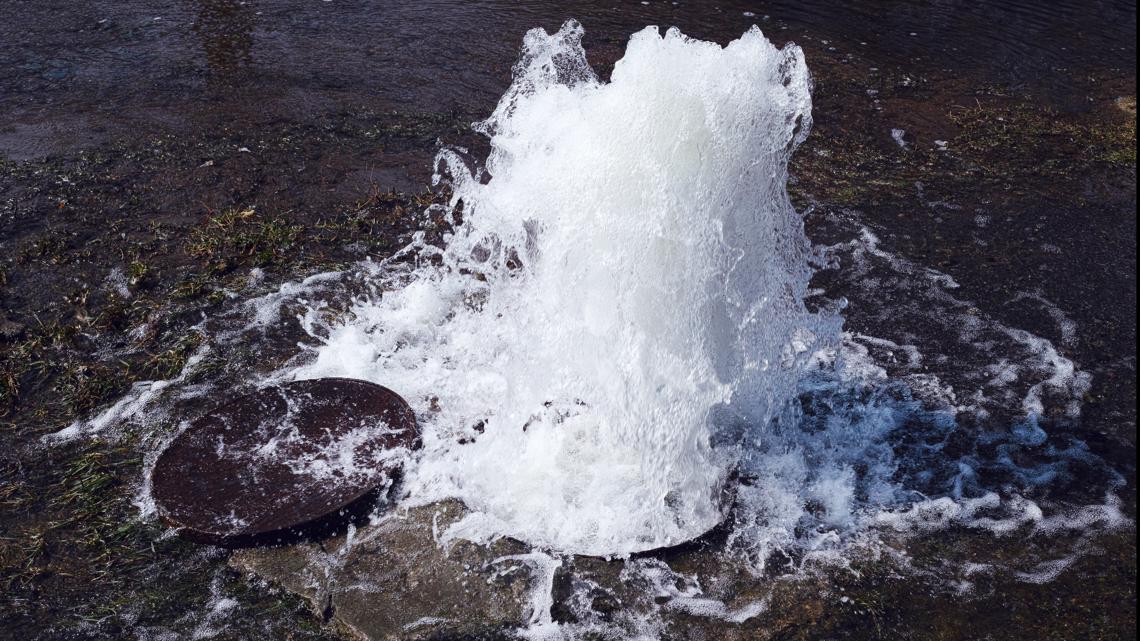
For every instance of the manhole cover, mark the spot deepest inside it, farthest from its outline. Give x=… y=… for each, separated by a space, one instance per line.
x=282 y=459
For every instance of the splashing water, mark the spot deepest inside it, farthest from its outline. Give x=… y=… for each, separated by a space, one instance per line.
x=611 y=351
x=628 y=262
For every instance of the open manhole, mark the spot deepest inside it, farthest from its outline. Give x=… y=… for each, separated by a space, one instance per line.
x=282 y=461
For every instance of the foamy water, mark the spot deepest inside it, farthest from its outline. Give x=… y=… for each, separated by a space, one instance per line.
x=612 y=351
x=628 y=262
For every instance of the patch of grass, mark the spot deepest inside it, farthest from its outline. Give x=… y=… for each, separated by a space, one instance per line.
x=85 y=532
x=1116 y=142
x=85 y=386
x=193 y=286
x=242 y=237
x=168 y=363
x=20 y=557
x=85 y=520
x=11 y=374
x=1002 y=145
x=51 y=247
x=395 y=126
x=137 y=272
x=32 y=360
x=1127 y=104
x=1040 y=138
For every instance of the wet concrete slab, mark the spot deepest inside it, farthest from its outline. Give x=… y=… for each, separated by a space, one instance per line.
x=396 y=580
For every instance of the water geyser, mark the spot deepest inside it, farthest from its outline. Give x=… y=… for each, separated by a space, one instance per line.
x=627 y=281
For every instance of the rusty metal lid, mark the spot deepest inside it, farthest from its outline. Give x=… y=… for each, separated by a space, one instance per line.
x=282 y=459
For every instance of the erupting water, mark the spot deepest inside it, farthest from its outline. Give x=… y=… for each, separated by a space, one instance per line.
x=628 y=268
x=611 y=350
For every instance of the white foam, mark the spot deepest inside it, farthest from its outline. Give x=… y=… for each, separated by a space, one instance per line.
x=899 y=136
x=212 y=622
x=627 y=263
x=137 y=403
x=116 y=282
x=540 y=623
x=684 y=593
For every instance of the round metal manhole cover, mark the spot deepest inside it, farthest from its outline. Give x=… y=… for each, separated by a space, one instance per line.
x=282 y=458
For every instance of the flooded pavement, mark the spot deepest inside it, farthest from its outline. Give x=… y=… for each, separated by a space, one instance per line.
x=160 y=166
x=81 y=76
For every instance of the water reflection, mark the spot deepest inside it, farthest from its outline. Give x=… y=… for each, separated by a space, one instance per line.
x=225 y=29
x=422 y=55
